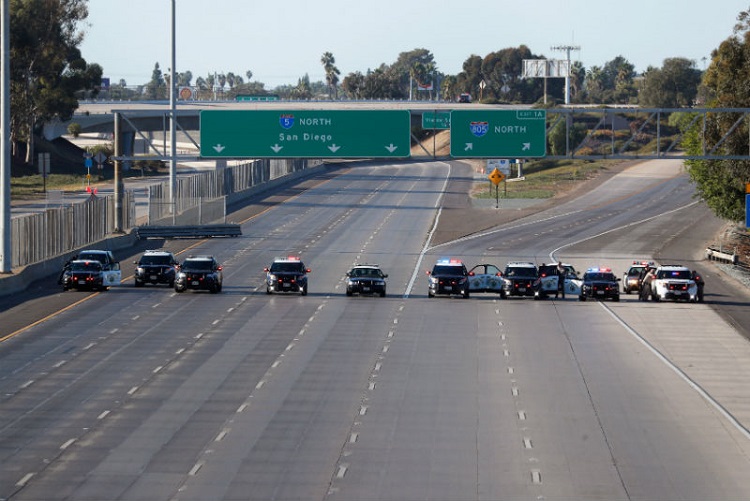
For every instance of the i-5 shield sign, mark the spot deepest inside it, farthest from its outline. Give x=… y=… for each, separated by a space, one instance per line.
x=479 y=133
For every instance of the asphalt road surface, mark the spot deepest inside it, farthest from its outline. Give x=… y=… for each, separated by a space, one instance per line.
x=148 y=394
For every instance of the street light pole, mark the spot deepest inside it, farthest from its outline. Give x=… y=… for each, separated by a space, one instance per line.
x=5 y=228
x=172 y=122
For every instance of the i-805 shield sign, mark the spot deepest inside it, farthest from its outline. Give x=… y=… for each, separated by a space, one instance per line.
x=480 y=133
x=305 y=133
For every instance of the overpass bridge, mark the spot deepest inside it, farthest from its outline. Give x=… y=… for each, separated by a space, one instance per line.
x=616 y=132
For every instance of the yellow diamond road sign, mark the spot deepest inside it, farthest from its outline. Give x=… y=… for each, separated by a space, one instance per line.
x=496 y=176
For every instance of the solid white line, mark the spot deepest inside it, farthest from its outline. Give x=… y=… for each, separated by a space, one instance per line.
x=694 y=385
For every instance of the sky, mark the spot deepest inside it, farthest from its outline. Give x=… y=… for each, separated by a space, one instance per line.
x=280 y=42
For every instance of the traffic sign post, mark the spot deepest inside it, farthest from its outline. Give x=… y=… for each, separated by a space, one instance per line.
x=305 y=133
x=497 y=177
x=479 y=133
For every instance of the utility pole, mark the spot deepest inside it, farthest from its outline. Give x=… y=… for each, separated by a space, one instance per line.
x=173 y=121
x=5 y=227
x=567 y=49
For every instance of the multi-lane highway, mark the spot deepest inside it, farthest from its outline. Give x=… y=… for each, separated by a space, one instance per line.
x=147 y=394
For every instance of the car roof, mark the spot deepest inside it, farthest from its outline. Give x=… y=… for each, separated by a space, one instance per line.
x=519 y=264
x=366 y=266
x=95 y=251
x=158 y=252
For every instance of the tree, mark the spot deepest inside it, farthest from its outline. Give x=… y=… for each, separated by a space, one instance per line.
x=354 y=85
x=721 y=183
x=157 y=86
x=332 y=73
x=46 y=65
x=675 y=85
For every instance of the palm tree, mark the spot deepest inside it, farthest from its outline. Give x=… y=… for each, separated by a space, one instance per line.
x=332 y=73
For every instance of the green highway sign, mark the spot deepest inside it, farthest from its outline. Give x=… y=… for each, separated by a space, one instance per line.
x=305 y=133
x=478 y=133
x=436 y=120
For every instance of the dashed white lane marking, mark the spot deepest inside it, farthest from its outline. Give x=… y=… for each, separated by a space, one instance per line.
x=241 y=408
x=132 y=390
x=25 y=479
x=102 y=415
x=67 y=444
x=353 y=438
x=341 y=472
x=363 y=410
x=522 y=415
x=259 y=385
x=89 y=346
x=59 y=364
x=27 y=384
x=180 y=351
x=514 y=391
x=221 y=435
x=510 y=370
x=527 y=443
x=195 y=469
x=536 y=477
x=158 y=369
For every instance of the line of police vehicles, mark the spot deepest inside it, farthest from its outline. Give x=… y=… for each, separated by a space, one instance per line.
x=98 y=270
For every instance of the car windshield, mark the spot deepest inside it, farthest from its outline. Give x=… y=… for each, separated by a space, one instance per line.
x=635 y=271
x=197 y=265
x=156 y=259
x=287 y=268
x=366 y=272
x=86 y=266
x=675 y=274
x=448 y=270
x=521 y=271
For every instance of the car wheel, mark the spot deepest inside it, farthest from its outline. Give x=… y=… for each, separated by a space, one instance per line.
x=349 y=293
x=655 y=297
x=268 y=290
x=616 y=298
x=177 y=288
x=503 y=295
x=466 y=294
x=582 y=298
x=304 y=290
x=382 y=294
x=430 y=294
x=138 y=284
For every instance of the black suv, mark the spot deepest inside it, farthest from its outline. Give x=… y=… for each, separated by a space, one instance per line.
x=156 y=267
x=366 y=279
x=519 y=278
x=448 y=277
x=287 y=275
x=600 y=283
x=199 y=273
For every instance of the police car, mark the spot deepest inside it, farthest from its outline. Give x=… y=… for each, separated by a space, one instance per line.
x=448 y=277
x=366 y=279
x=674 y=282
x=546 y=282
x=287 y=274
x=631 y=279
x=487 y=278
x=519 y=278
x=600 y=283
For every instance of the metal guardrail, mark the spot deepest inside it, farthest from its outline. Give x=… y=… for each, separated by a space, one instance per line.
x=714 y=254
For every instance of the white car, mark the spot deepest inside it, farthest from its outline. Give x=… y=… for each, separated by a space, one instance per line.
x=486 y=278
x=546 y=283
x=674 y=282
